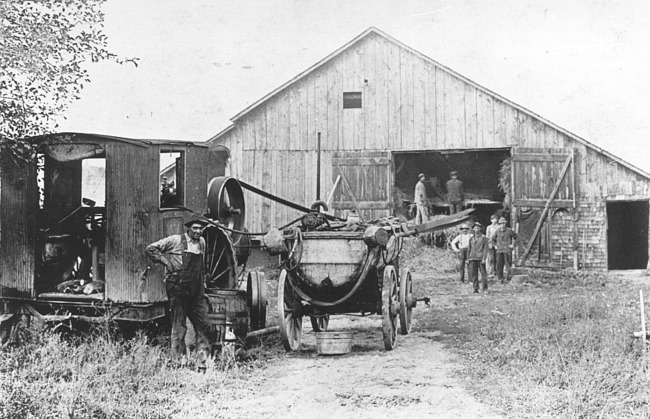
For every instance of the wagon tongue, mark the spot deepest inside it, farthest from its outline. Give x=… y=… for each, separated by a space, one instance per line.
x=441 y=223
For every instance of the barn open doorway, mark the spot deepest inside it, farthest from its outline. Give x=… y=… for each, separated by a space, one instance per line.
x=627 y=235
x=479 y=170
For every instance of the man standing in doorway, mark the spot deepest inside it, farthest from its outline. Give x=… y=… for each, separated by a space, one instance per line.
x=454 y=193
x=422 y=214
x=504 y=241
x=490 y=231
x=460 y=244
x=182 y=256
x=476 y=254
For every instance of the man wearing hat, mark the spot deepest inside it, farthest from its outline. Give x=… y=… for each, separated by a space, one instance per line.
x=454 y=193
x=422 y=214
x=182 y=257
x=477 y=252
x=460 y=244
x=504 y=241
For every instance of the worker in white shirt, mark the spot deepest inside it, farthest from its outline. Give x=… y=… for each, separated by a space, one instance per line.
x=420 y=198
x=460 y=244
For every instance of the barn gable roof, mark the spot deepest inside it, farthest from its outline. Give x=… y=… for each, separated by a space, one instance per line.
x=373 y=30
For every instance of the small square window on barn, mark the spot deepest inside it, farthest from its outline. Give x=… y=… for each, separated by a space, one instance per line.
x=351 y=100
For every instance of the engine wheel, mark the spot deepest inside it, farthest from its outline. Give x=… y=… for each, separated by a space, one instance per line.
x=256 y=291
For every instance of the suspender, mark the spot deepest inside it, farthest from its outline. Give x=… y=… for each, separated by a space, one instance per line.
x=184 y=244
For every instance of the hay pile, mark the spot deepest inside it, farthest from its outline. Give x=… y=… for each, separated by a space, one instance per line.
x=424 y=258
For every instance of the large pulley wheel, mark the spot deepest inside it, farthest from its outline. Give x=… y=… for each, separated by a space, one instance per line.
x=289 y=314
x=320 y=322
x=405 y=301
x=256 y=292
x=226 y=203
x=389 y=307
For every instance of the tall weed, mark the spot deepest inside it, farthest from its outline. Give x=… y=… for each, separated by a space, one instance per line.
x=104 y=376
x=575 y=349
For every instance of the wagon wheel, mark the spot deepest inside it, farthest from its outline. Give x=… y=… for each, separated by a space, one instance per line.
x=405 y=298
x=256 y=292
x=319 y=323
x=389 y=307
x=289 y=314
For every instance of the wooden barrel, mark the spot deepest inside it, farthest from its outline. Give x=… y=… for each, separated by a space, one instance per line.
x=227 y=308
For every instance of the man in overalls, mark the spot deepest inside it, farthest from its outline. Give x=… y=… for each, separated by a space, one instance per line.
x=182 y=256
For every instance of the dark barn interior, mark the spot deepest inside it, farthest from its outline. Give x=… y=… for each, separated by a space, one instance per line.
x=478 y=170
x=627 y=235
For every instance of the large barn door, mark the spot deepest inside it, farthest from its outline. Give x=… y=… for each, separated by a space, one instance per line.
x=364 y=184
x=544 y=203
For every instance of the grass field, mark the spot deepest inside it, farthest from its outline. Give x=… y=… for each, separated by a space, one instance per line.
x=556 y=345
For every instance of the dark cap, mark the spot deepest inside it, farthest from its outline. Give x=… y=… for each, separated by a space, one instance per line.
x=477 y=224
x=196 y=220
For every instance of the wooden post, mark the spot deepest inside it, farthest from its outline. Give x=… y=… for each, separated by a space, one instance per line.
x=643 y=329
x=318 y=171
x=576 y=209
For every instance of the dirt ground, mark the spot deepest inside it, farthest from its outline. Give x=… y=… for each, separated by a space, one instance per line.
x=419 y=378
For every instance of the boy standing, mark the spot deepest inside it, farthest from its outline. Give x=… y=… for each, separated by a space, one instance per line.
x=460 y=245
x=490 y=231
x=476 y=254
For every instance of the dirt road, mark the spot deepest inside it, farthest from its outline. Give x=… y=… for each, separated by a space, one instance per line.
x=417 y=379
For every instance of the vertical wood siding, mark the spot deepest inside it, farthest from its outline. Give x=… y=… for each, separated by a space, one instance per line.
x=409 y=103
x=131 y=203
x=19 y=201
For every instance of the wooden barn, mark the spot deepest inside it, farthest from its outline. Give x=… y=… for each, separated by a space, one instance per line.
x=84 y=213
x=385 y=112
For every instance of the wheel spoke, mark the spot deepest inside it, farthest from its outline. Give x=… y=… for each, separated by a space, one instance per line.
x=216 y=265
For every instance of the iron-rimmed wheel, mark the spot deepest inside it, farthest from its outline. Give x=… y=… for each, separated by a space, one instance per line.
x=389 y=307
x=405 y=298
x=289 y=314
x=319 y=323
x=256 y=292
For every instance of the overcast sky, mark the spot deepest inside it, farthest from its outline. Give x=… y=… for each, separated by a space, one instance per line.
x=584 y=65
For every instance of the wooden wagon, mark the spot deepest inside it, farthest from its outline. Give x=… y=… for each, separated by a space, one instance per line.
x=349 y=268
x=337 y=272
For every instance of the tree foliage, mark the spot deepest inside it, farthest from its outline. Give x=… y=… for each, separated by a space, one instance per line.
x=44 y=48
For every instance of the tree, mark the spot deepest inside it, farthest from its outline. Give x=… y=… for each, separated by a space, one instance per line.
x=44 y=48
